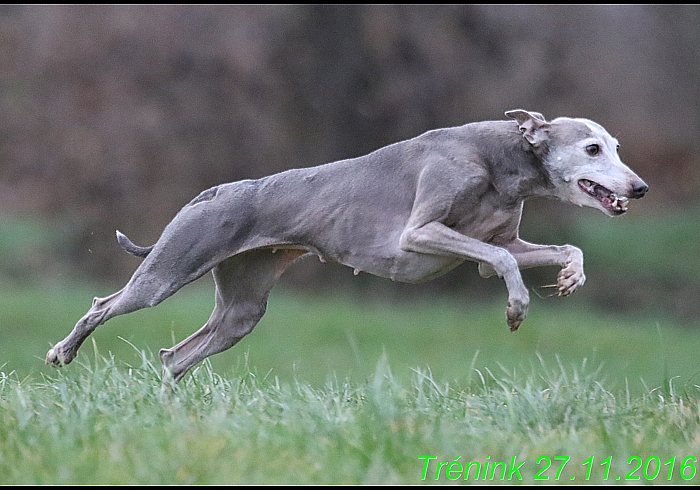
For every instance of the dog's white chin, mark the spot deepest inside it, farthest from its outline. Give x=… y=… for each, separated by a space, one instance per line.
x=612 y=212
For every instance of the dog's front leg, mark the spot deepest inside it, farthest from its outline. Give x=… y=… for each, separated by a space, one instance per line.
x=568 y=257
x=438 y=239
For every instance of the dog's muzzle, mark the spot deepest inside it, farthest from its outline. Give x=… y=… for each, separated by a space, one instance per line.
x=608 y=199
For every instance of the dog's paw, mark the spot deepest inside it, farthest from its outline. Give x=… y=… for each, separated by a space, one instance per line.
x=516 y=313
x=570 y=278
x=52 y=357
x=57 y=356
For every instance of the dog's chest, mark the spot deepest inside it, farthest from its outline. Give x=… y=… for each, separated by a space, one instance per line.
x=488 y=222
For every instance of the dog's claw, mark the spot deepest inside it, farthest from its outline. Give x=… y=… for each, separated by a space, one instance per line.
x=570 y=279
x=514 y=324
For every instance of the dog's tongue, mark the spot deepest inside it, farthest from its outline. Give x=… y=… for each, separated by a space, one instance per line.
x=605 y=195
x=602 y=192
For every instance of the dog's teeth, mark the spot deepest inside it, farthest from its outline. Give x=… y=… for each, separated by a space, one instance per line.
x=614 y=203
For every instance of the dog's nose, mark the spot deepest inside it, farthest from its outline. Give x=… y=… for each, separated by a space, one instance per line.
x=639 y=189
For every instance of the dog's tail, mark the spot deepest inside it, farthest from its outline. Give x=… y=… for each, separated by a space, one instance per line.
x=129 y=246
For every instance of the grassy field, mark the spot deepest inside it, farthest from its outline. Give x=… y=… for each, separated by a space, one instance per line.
x=101 y=424
x=334 y=389
x=318 y=338
x=329 y=390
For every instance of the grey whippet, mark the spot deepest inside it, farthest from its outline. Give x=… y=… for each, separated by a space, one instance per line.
x=410 y=211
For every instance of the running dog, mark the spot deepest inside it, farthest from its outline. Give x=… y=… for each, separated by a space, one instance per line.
x=410 y=211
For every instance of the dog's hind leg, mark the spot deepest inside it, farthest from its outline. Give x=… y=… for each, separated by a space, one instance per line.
x=152 y=282
x=128 y=299
x=243 y=284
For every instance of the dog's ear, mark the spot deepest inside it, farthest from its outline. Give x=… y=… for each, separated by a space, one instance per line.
x=532 y=124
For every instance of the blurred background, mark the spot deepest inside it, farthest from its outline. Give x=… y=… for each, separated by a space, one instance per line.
x=114 y=117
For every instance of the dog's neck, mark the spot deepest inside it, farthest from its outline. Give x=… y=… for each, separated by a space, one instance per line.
x=517 y=168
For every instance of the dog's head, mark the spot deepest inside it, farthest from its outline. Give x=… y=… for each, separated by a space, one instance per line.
x=582 y=160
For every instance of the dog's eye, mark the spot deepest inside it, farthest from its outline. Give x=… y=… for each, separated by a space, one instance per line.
x=593 y=150
x=617 y=148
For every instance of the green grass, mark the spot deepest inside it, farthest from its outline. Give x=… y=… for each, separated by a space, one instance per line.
x=101 y=422
x=317 y=338
x=329 y=390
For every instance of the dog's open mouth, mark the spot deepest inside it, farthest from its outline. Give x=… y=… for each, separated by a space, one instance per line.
x=609 y=200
